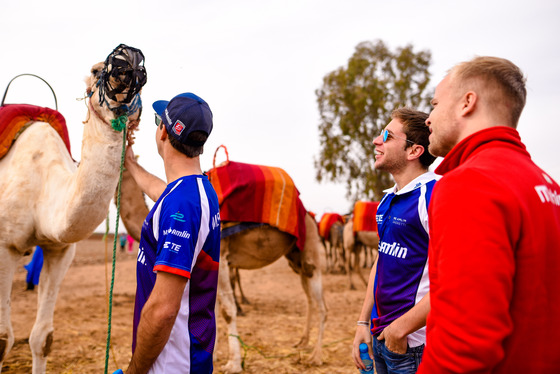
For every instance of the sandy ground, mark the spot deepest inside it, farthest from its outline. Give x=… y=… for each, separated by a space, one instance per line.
x=272 y=325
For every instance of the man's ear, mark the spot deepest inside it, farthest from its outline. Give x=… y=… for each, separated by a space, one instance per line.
x=468 y=103
x=163 y=135
x=415 y=151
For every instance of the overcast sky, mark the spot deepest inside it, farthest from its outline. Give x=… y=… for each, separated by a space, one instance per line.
x=258 y=64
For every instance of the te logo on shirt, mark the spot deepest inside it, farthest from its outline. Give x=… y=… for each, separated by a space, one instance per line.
x=172 y=247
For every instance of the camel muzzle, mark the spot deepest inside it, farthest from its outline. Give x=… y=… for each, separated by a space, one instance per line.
x=122 y=78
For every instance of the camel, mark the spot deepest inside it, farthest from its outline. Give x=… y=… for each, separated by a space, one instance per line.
x=334 y=249
x=336 y=245
x=48 y=200
x=251 y=249
x=354 y=243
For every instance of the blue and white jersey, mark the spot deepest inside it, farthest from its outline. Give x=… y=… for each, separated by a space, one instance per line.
x=401 y=279
x=181 y=235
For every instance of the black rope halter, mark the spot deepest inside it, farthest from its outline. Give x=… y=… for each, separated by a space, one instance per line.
x=126 y=66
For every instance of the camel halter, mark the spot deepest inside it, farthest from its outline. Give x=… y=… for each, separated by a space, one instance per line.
x=118 y=124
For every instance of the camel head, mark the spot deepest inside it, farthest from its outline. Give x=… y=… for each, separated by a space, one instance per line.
x=118 y=81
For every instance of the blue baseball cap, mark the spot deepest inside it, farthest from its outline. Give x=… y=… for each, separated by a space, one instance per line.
x=184 y=114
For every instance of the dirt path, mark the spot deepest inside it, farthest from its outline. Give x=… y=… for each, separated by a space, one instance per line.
x=272 y=324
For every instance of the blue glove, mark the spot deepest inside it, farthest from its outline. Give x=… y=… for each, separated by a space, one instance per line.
x=118 y=371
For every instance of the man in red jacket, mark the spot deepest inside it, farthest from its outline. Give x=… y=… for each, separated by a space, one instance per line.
x=494 y=232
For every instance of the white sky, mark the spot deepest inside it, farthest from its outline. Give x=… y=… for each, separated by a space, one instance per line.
x=258 y=64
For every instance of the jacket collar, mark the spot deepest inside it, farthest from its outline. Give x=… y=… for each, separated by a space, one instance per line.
x=497 y=136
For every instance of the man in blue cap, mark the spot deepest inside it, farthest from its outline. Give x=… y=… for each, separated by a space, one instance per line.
x=177 y=271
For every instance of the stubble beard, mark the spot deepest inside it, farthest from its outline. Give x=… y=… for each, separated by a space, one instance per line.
x=390 y=166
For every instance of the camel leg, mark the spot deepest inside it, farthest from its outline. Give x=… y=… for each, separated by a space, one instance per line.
x=357 y=251
x=244 y=300
x=367 y=256
x=351 y=253
x=314 y=291
x=305 y=337
x=229 y=311
x=234 y=279
x=55 y=266
x=306 y=264
x=7 y=268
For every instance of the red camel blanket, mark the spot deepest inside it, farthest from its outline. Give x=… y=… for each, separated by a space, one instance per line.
x=14 y=119
x=364 y=216
x=327 y=220
x=263 y=194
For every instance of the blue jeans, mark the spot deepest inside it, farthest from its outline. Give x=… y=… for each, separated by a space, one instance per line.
x=387 y=362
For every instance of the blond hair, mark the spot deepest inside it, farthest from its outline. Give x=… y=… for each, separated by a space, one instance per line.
x=499 y=80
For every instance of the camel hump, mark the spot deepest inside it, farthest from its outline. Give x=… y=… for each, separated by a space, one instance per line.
x=258 y=193
x=364 y=216
x=327 y=220
x=15 y=118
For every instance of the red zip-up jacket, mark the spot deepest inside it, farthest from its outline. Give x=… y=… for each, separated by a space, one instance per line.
x=494 y=261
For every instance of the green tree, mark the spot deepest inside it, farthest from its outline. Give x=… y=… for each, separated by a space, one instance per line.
x=355 y=104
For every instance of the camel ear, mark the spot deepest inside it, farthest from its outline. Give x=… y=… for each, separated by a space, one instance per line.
x=97 y=69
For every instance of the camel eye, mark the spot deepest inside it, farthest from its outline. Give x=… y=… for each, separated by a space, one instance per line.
x=96 y=72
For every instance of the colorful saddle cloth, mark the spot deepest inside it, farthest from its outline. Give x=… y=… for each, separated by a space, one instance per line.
x=364 y=216
x=327 y=220
x=15 y=118
x=260 y=194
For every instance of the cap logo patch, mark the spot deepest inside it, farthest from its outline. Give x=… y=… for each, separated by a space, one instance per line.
x=178 y=128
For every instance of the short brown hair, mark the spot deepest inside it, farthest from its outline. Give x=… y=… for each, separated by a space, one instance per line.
x=190 y=151
x=416 y=131
x=501 y=78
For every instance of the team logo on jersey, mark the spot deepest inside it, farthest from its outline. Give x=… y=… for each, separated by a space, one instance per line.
x=394 y=249
x=399 y=221
x=182 y=234
x=178 y=217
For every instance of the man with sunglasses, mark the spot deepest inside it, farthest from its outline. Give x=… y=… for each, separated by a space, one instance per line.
x=174 y=326
x=397 y=299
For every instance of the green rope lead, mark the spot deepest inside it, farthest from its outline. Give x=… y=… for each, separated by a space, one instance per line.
x=119 y=124
x=115 y=248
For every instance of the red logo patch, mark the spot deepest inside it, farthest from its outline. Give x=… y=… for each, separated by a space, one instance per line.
x=178 y=128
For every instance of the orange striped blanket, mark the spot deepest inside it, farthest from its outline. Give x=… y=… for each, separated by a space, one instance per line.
x=14 y=119
x=364 y=216
x=263 y=194
x=327 y=220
